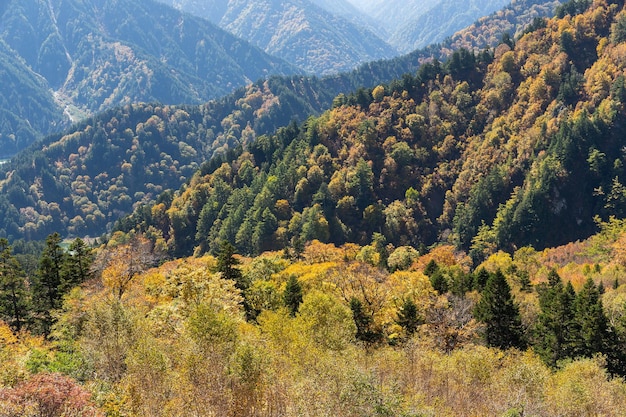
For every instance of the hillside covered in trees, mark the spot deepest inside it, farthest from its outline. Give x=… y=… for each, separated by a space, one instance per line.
x=451 y=243
x=160 y=158
x=491 y=151
x=88 y=56
x=325 y=331
x=309 y=37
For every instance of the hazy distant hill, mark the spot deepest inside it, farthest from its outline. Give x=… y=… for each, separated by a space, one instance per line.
x=27 y=108
x=413 y=24
x=302 y=33
x=441 y=21
x=94 y=54
x=136 y=143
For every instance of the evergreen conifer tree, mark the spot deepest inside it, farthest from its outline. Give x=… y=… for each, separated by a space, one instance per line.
x=47 y=285
x=480 y=279
x=227 y=265
x=592 y=323
x=556 y=328
x=293 y=295
x=439 y=282
x=497 y=310
x=408 y=317
x=363 y=322
x=14 y=297
x=431 y=268
x=77 y=265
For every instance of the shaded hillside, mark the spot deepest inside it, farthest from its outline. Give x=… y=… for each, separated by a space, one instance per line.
x=221 y=125
x=304 y=34
x=83 y=181
x=98 y=54
x=408 y=25
x=27 y=109
x=512 y=19
x=441 y=21
x=526 y=150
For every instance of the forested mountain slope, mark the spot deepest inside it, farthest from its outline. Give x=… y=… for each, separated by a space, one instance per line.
x=408 y=25
x=233 y=120
x=299 y=31
x=441 y=21
x=523 y=150
x=84 y=180
x=96 y=54
x=27 y=109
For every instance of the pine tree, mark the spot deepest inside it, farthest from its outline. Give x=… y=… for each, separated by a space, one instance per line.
x=431 y=268
x=47 y=291
x=408 y=317
x=227 y=265
x=439 y=282
x=77 y=265
x=497 y=310
x=480 y=279
x=592 y=323
x=364 y=323
x=14 y=300
x=556 y=328
x=292 y=296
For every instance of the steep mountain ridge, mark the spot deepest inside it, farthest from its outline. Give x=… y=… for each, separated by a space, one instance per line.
x=82 y=201
x=299 y=31
x=27 y=109
x=524 y=150
x=408 y=25
x=96 y=54
x=440 y=21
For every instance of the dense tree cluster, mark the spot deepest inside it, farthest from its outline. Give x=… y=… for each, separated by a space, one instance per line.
x=488 y=151
x=31 y=301
x=61 y=59
x=326 y=319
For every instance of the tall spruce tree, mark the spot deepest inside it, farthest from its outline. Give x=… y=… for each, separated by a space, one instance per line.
x=408 y=317
x=364 y=323
x=592 y=323
x=481 y=277
x=47 y=285
x=227 y=265
x=14 y=296
x=77 y=266
x=556 y=328
x=292 y=296
x=497 y=310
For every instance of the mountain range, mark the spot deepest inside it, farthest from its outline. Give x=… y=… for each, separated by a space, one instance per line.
x=467 y=151
x=80 y=57
x=73 y=59
x=304 y=34
x=520 y=146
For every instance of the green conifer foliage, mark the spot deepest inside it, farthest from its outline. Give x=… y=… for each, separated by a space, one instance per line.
x=14 y=300
x=408 y=317
x=227 y=265
x=480 y=279
x=555 y=330
x=77 y=266
x=364 y=323
x=497 y=310
x=439 y=282
x=48 y=282
x=592 y=323
x=293 y=295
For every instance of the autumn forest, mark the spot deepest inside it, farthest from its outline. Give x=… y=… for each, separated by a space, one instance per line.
x=447 y=242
